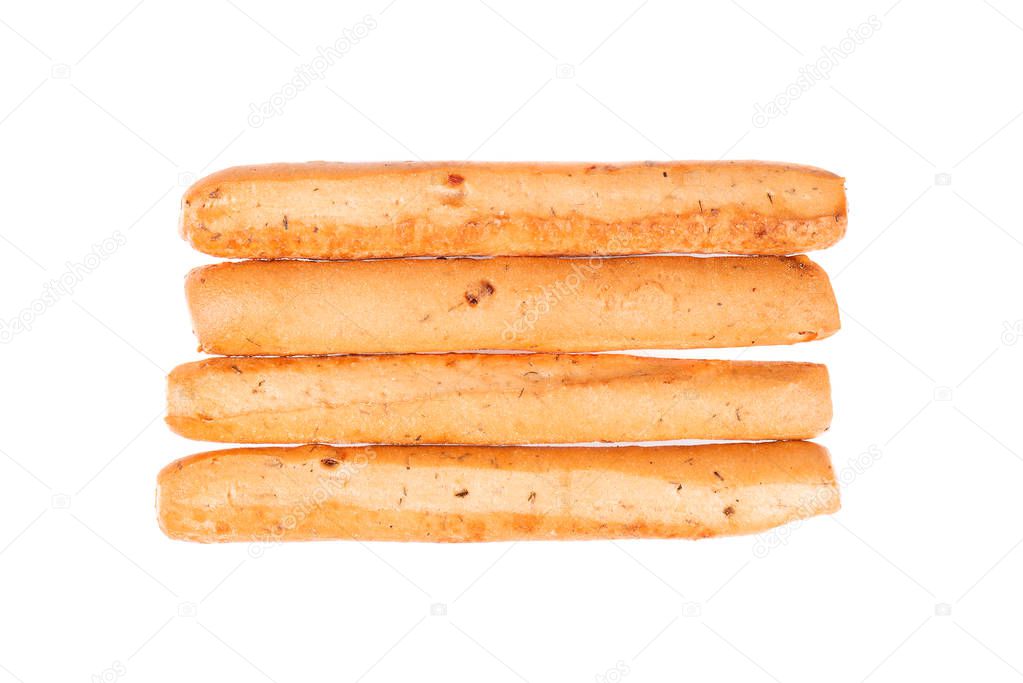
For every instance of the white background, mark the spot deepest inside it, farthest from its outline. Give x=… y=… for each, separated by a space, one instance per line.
x=107 y=110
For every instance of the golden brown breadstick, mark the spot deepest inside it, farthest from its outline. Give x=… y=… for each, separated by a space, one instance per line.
x=494 y=399
x=534 y=304
x=344 y=211
x=456 y=494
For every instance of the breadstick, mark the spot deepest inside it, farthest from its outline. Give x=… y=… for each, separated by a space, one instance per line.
x=458 y=494
x=494 y=399
x=326 y=210
x=533 y=304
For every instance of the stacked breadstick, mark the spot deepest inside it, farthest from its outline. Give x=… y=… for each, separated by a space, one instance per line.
x=320 y=346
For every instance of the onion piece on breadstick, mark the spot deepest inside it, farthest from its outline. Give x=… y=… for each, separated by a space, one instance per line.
x=494 y=399
x=533 y=304
x=350 y=211
x=454 y=494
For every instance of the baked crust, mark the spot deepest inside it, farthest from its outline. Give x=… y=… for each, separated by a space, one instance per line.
x=520 y=303
x=455 y=494
x=494 y=399
x=325 y=210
